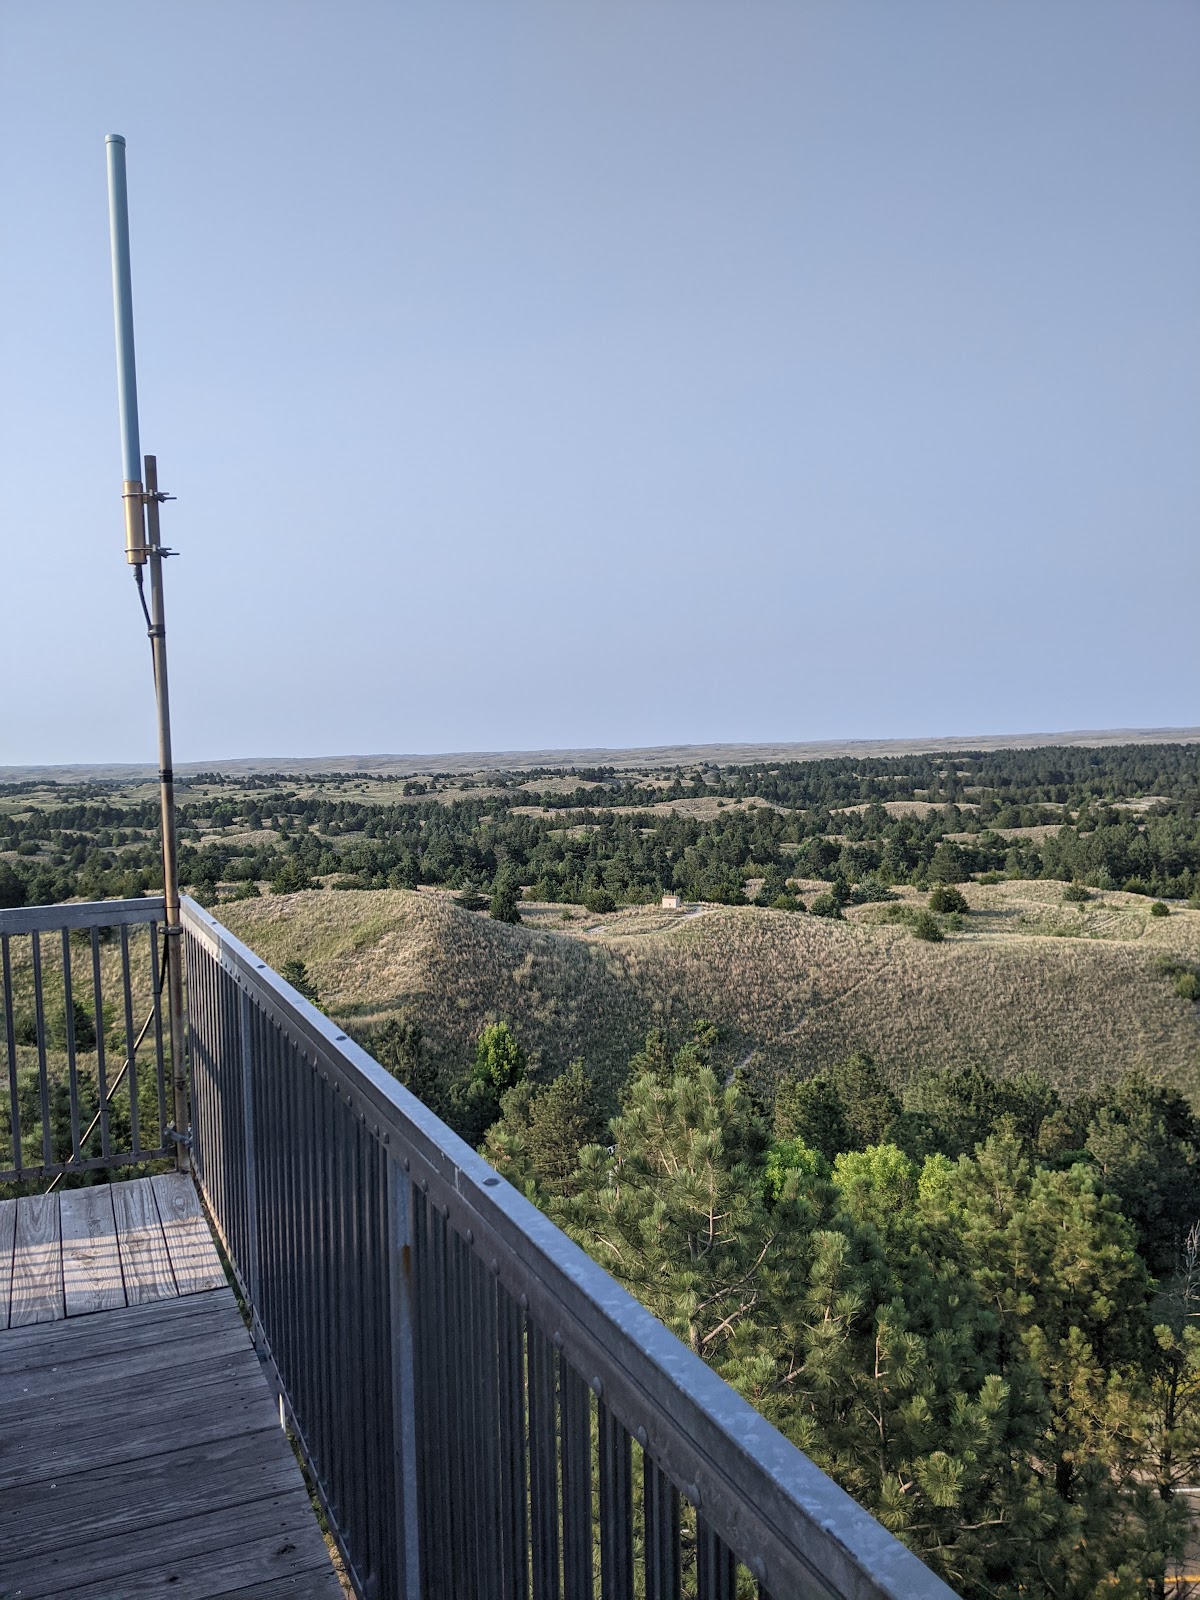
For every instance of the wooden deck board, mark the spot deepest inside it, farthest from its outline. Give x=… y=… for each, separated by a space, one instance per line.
x=8 y=1229
x=117 y=1502
x=228 y=1514
x=124 y=1403
x=144 y=1259
x=63 y=1451
x=37 y=1280
x=194 y=1258
x=85 y=1338
x=92 y=1278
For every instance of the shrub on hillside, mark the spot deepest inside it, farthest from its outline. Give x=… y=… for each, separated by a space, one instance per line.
x=295 y=972
x=926 y=926
x=599 y=900
x=1159 y=910
x=787 y=902
x=869 y=889
x=1075 y=894
x=827 y=905
x=1187 y=986
x=946 y=897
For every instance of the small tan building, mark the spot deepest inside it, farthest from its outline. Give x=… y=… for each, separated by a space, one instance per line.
x=672 y=902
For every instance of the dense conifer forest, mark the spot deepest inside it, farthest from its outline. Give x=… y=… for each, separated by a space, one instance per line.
x=1116 y=817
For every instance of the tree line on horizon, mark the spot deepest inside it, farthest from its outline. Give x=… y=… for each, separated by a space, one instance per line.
x=602 y=848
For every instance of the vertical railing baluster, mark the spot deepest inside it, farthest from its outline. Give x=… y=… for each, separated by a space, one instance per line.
x=43 y=1073
x=404 y=1395
x=660 y=1503
x=72 y=1068
x=716 y=1568
x=575 y=1414
x=334 y=1291
x=10 y=1042
x=445 y=1514
x=246 y=1060
x=159 y=1063
x=455 y=1438
x=101 y=1066
x=344 y=1291
x=364 y=1487
x=543 y=1468
x=616 y=1509
x=130 y=1049
x=324 y=1289
x=487 y=1292
x=428 y=1380
x=513 y=1518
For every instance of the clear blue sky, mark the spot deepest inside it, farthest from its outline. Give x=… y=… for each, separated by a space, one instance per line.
x=544 y=374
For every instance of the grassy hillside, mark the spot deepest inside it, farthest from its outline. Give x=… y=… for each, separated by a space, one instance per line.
x=1028 y=983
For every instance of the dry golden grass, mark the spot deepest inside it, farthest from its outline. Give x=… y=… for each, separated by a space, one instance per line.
x=908 y=808
x=1029 y=983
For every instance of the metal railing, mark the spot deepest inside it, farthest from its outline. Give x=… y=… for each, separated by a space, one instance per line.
x=486 y=1413
x=85 y=1062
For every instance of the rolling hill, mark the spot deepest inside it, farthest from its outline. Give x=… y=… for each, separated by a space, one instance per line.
x=1074 y=991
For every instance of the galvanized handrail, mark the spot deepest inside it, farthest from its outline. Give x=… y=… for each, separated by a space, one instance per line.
x=456 y=1370
x=33 y=1146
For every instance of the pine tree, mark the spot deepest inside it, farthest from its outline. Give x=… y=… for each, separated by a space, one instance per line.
x=399 y=1046
x=1056 y=1264
x=812 y=1110
x=870 y=1105
x=564 y=1116
x=506 y=895
x=676 y=1211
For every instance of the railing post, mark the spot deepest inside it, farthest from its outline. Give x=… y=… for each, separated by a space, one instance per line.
x=404 y=1389
x=247 y=1065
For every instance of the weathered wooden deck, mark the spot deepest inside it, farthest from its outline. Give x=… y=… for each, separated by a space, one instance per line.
x=140 y=1446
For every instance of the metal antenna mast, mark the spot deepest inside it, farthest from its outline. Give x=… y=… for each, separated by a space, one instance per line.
x=142 y=498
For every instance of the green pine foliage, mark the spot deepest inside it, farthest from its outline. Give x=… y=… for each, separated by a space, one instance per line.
x=296 y=973
x=945 y=1299
x=505 y=897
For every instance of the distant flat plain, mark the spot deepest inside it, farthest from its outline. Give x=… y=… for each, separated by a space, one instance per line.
x=653 y=756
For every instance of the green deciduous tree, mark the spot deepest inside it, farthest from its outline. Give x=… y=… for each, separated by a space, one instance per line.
x=499 y=1066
